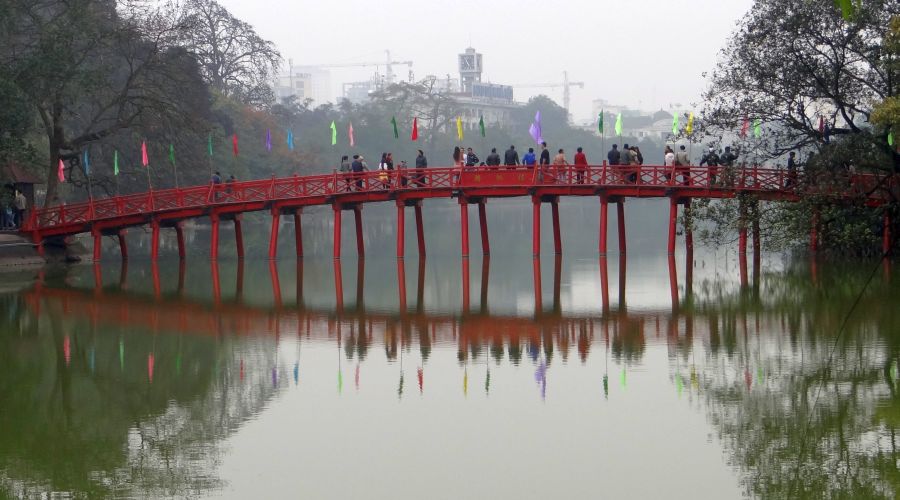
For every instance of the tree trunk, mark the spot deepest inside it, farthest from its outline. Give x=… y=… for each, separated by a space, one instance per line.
x=52 y=179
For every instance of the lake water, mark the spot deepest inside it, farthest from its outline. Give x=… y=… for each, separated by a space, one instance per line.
x=577 y=377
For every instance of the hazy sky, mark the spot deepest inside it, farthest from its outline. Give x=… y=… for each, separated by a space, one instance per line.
x=645 y=53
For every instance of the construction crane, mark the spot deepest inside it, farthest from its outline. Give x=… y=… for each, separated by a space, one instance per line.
x=387 y=63
x=566 y=85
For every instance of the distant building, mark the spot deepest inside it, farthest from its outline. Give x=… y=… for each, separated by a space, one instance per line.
x=304 y=82
x=478 y=99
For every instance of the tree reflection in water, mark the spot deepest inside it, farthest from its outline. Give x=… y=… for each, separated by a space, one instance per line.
x=755 y=358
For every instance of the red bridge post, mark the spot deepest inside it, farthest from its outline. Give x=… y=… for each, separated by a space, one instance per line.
x=557 y=238
x=154 y=240
x=337 y=232
x=538 y=297
x=536 y=228
x=123 y=246
x=604 y=213
x=401 y=229
x=357 y=215
x=238 y=236
x=482 y=219
x=298 y=232
x=688 y=232
x=673 y=218
x=98 y=244
x=620 y=212
x=214 y=240
x=464 y=225
x=273 y=236
x=179 y=235
x=420 y=232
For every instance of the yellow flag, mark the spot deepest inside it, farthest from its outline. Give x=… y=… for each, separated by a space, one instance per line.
x=459 y=130
x=689 y=129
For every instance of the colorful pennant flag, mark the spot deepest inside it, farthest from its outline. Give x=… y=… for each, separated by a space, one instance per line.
x=209 y=147
x=415 y=129
x=333 y=133
x=172 y=154
x=234 y=144
x=745 y=126
x=116 y=162
x=60 y=172
x=145 y=158
x=459 y=128
x=891 y=138
x=350 y=134
x=481 y=125
x=290 y=139
x=268 y=139
x=619 y=124
x=689 y=128
x=86 y=161
x=675 y=124
x=394 y=125
x=600 y=123
x=757 y=128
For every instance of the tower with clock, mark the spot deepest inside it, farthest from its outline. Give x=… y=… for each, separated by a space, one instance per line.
x=469 y=69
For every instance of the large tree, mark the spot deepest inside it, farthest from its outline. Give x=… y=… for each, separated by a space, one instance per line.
x=234 y=59
x=91 y=69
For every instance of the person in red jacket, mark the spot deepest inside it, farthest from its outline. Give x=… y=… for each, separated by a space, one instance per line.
x=580 y=166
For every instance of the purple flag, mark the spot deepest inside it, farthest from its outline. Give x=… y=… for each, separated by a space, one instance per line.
x=268 y=140
x=535 y=129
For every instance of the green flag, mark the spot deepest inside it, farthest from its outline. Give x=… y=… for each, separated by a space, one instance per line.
x=340 y=381
x=619 y=124
x=891 y=138
x=757 y=128
x=172 y=154
x=394 y=124
x=675 y=124
x=622 y=378
x=481 y=125
x=333 y=133
x=116 y=162
x=600 y=123
x=209 y=144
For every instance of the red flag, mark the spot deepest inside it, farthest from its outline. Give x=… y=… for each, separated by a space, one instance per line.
x=60 y=171
x=822 y=125
x=145 y=158
x=745 y=127
x=234 y=144
x=415 y=130
x=350 y=133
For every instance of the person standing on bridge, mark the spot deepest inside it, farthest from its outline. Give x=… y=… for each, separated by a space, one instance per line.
x=471 y=158
x=345 y=171
x=682 y=165
x=457 y=157
x=21 y=205
x=421 y=163
x=581 y=165
x=545 y=154
x=493 y=159
x=383 y=175
x=529 y=159
x=511 y=157
x=559 y=161
x=614 y=156
x=791 y=170
x=711 y=159
x=216 y=180
x=357 y=168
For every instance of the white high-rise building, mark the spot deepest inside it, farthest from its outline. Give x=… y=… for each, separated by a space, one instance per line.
x=304 y=82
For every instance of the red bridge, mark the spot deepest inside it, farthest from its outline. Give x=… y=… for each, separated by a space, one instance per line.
x=408 y=188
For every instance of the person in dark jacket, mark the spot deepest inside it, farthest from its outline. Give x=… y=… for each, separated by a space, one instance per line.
x=471 y=158
x=711 y=158
x=357 y=168
x=614 y=156
x=421 y=162
x=511 y=157
x=493 y=159
x=545 y=154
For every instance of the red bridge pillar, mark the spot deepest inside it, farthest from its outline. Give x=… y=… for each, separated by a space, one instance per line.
x=482 y=219
x=238 y=236
x=688 y=232
x=401 y=229
x=273 y=236
x=214 y=240
x=154 y=240
x=604 y=212
x=464 y=225
x=620 y=213
x=536 y=227
x=360 y=248
x=557 y=238
x=337 y=230
x=123 y=245
x=673 y=218
x=298 y=232
x=420 y=232
x=179 y=235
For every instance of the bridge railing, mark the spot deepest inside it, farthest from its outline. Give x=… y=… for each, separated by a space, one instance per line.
x=705 y=179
